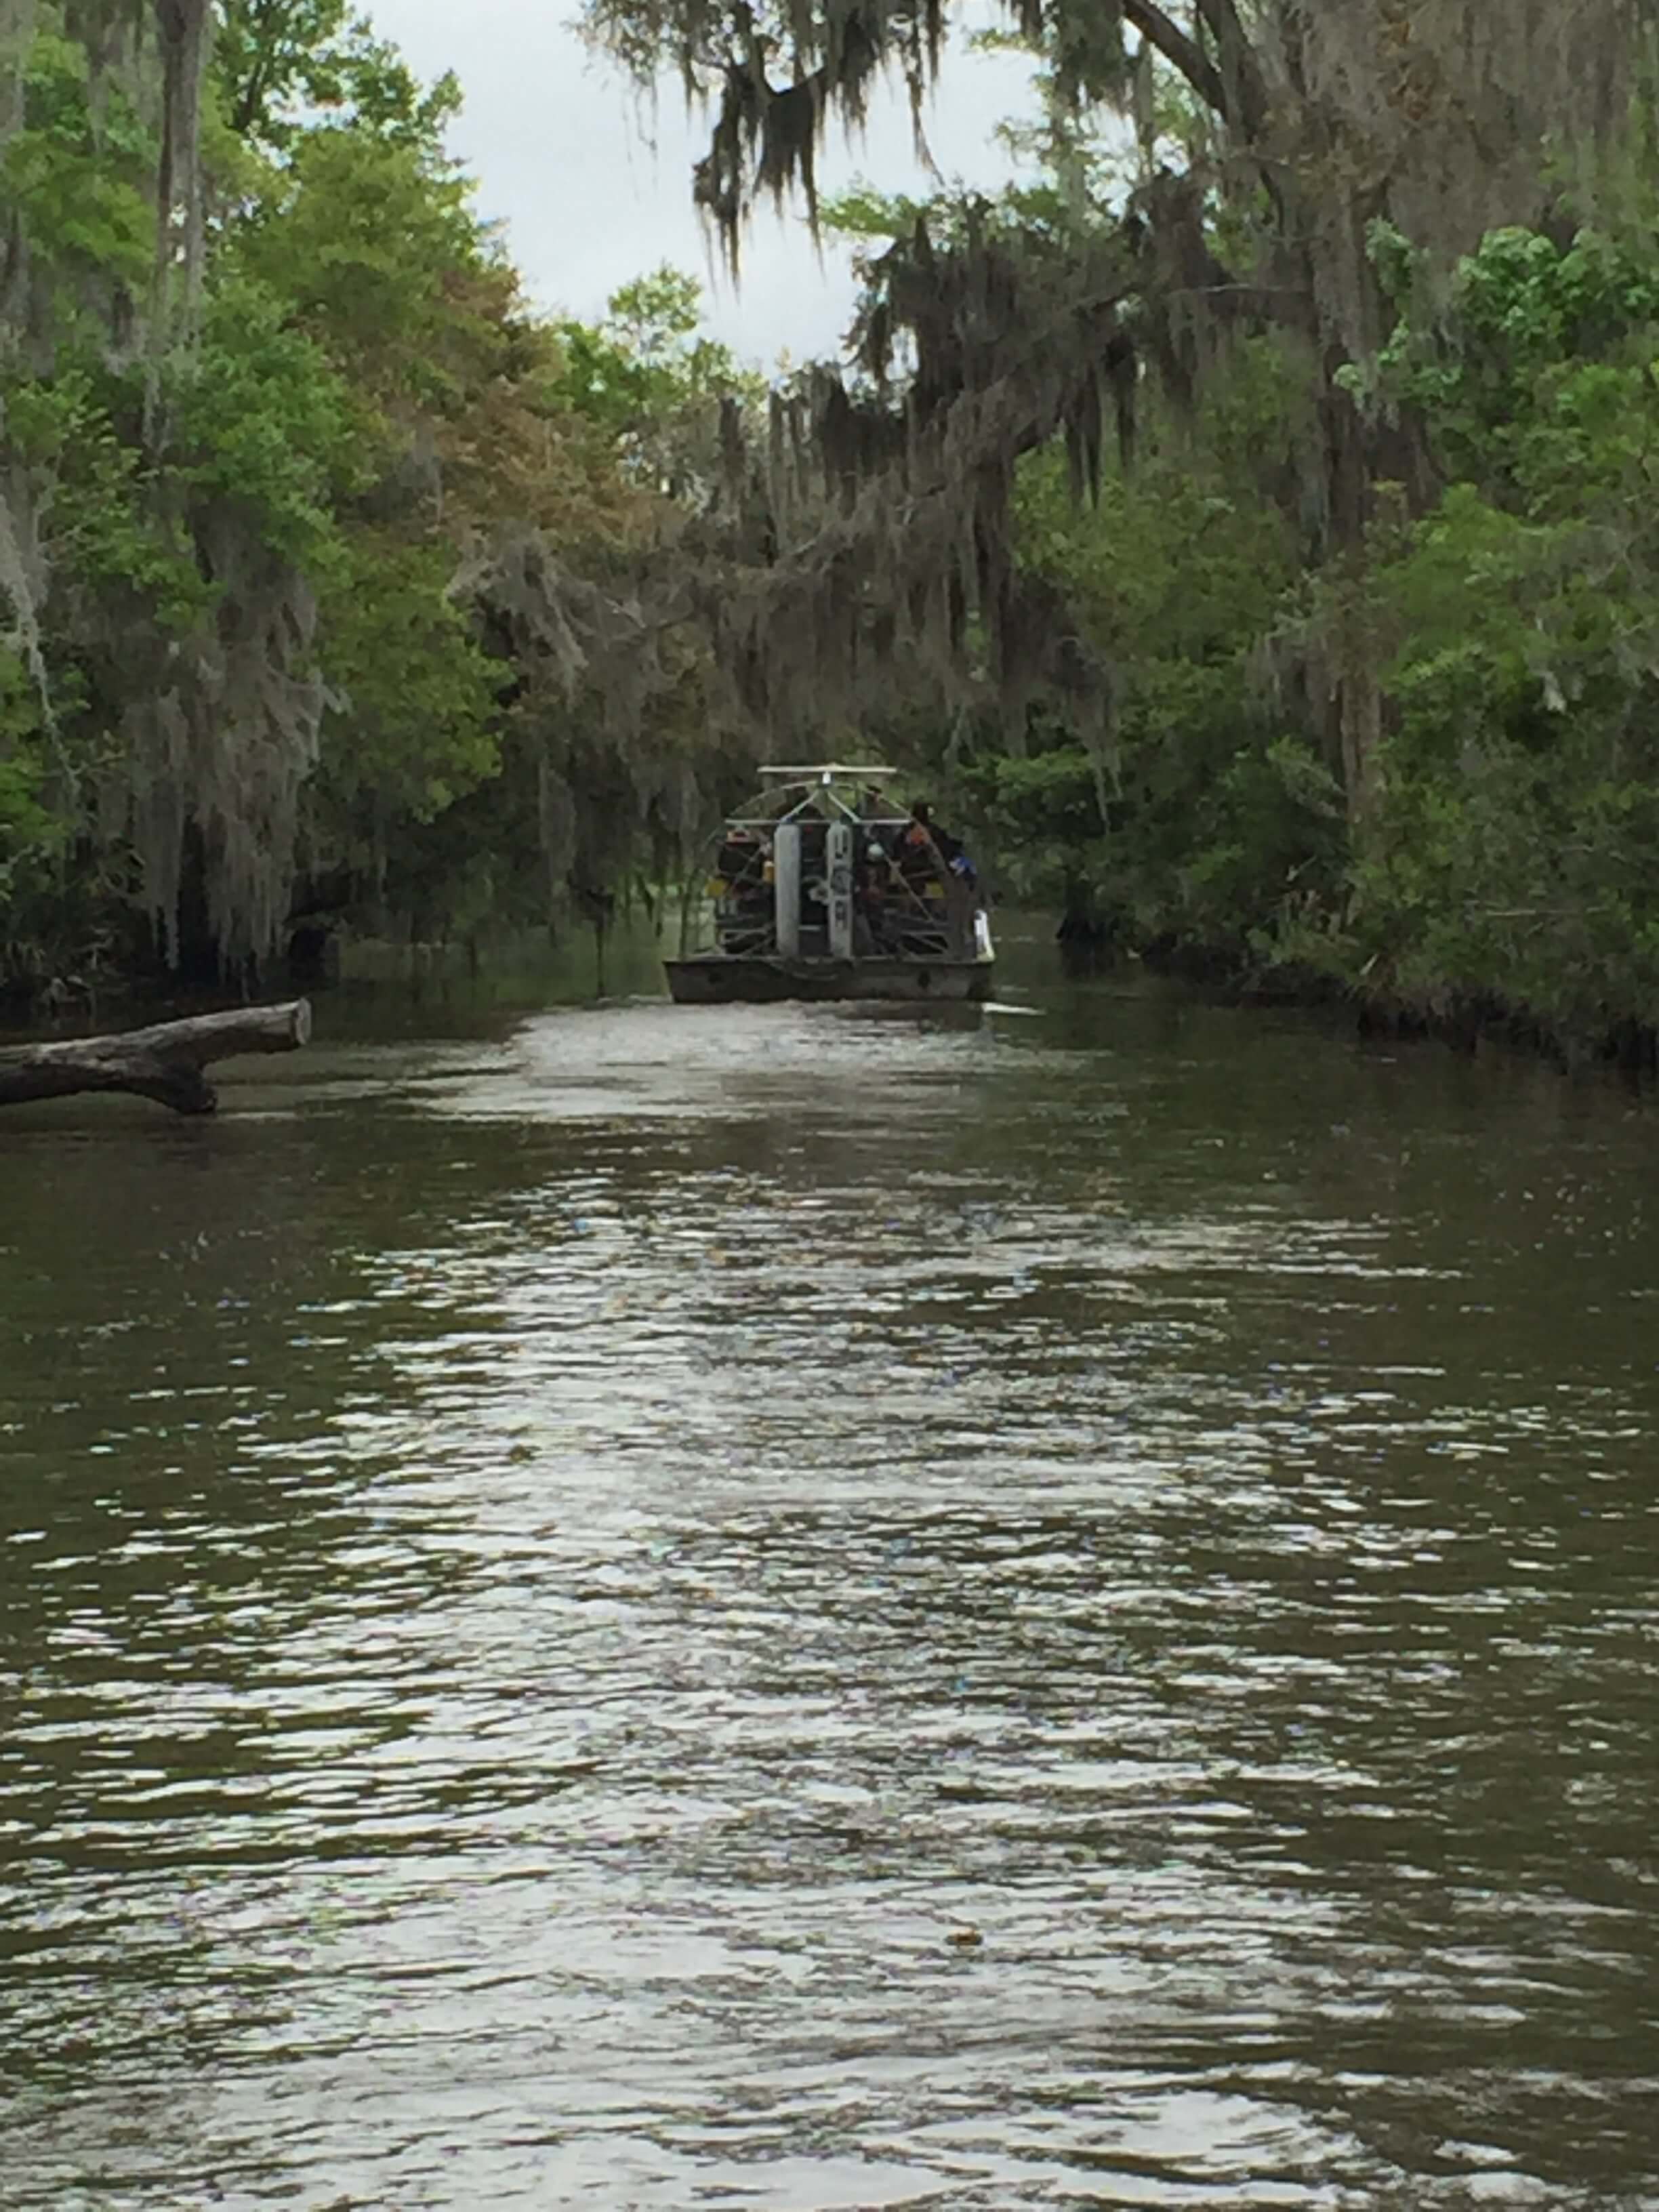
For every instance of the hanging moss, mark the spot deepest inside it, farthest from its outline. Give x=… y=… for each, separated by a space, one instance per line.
x=227 y=744
x=22 y=568
x=601 y=674
x=1312 y=124
x=223 y=726
x=863 y=531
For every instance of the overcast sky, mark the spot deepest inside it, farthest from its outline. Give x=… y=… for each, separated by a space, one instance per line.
x=594 y=190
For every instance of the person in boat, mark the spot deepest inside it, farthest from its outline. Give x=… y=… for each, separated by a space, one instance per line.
x=916 y=846
x=924 y=831
x=875 y=885
x=925 y=849
x=876 y=822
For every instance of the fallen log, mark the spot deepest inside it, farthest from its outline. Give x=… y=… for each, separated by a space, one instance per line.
x=164 y=1063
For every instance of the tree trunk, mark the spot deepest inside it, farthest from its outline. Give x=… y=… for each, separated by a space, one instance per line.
x=164 y=1063
x=1352 y=649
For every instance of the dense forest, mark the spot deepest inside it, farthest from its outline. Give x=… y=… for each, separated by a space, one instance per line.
x=327 y=563
x=1246 y=522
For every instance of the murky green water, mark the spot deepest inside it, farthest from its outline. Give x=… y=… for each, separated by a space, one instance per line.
x=548 y=1576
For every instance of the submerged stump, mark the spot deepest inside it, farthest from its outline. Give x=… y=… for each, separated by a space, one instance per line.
x=164 y=1063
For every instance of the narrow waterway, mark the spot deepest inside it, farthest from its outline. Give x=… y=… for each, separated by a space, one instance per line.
x=800 y=1608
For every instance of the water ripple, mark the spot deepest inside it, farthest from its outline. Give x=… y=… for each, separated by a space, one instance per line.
x=806 y=1613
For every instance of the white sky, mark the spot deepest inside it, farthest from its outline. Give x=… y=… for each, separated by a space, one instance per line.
x=594 y=190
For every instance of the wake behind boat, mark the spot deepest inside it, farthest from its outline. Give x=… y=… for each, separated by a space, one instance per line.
x=822 y=887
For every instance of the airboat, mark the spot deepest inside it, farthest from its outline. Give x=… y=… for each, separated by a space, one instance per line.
x=822 y=887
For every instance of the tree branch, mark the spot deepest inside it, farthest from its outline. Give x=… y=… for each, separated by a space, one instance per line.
x=1241 y=72
x=164 y=1063
x=1183 y=53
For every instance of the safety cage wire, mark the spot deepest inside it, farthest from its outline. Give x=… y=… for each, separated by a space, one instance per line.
x=911 y=926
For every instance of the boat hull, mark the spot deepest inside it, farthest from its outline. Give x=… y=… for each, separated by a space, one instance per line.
x=723 y=979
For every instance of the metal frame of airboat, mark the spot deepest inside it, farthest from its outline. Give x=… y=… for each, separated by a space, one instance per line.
x=928 y=955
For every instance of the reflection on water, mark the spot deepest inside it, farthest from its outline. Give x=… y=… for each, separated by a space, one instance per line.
x=765 y=1607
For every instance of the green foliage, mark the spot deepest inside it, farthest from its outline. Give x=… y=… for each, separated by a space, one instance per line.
x=1515 y=860
x=283 y=64
x=265 y=424
x=412 y=727
x=364 y=240
x=1190 y=822
x=648 y=380
x=360 y=399
x=863 y=212
x=1537 y=374
x=28 y=828
x=100 y=531
x=77 y=182
x=35 y=833
x=1044 y=817
x=1268 y=851
x=364 y=399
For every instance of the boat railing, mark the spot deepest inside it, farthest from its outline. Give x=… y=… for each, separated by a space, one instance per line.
x=909 y=903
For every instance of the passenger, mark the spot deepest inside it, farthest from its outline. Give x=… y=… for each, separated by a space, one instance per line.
x=869 y=907
x=916 y=844
x=875 y=882
x=924 y=852
x=925 y=831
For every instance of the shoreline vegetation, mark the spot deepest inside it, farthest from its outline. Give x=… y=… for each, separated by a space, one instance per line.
x=1243 y=528
x=1465 y=1024
x=535 y=970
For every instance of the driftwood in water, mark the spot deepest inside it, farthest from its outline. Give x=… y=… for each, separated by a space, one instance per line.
x=164 y=1063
